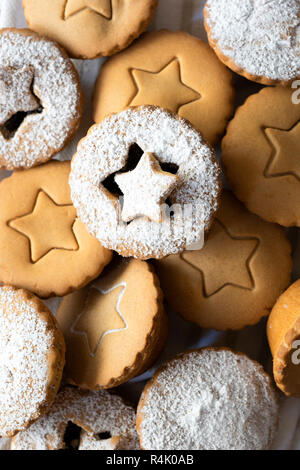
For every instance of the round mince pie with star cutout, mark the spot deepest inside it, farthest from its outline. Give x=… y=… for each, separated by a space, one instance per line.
x=40 y=99
x=43 y=246
x=173 y=70
x=145 y=183
x=100 y=321
x=260 y=154
x=81 y=420
x=235 y=279
x=90 y=28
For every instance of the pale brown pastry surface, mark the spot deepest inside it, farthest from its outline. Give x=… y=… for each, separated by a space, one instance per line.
x=32 y=358
x=114 y=328
x=81 y=420
x=90 y=28
x=283 y=331
x=41 y=99
x=234 y=280
x=43 y=246
x=173 y=70
x=260 y=153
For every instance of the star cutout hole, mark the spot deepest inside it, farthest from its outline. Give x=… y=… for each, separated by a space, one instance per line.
x=104 y=436
x=17 y=99
x=71 y=436
x=135 y=155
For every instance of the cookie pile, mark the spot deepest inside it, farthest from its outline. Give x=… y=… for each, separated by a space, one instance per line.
x=140 y=214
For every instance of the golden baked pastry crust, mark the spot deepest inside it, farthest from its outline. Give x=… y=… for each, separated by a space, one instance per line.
x=44 y=247
x=173 y=70
x=90 y=28
x=235 y=279
x=283 y=331
x=260 y=155
x=115 y=328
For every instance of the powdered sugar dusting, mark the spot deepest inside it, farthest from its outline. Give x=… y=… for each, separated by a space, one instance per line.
x=40 y=135
x=95 y=412
x=12 y=80
x=260 y=36
x=145 y=189
x=213 y=399
x=25 y=343
x=171 y=140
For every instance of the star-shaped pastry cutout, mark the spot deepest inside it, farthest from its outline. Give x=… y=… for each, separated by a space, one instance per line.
x=285 y=159
x=232 y=256
x=102 y=7
x=15 y=92
x=49 y=226
x=145 y=188
x=164 y=88
x=101 y=316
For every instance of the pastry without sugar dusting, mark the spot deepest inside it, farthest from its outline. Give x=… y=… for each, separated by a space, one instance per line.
x=32 y=357
x=173 y=70
x=43 y=245
x=234 y=280
x=260 y=155
x=208 y=399
x=115 y=151
x=283 y=331
x=102 y=422
x=90 y=28
x=258 y=39
x=115 y=328
x=41 y=102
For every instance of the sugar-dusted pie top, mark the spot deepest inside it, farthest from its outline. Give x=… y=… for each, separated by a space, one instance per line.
x=50 y=83
x=105 y=422
x=171 y=140
x=27 y=355
x=212 y=399
x=259 y=36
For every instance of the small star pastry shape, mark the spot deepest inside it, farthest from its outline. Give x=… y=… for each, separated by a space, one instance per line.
x=231 y=254
x=145 y=188
x=15 y=92
x=101 y=316
x=286 y=155
x=49 y=226
x=165 y=88
x=102 y=7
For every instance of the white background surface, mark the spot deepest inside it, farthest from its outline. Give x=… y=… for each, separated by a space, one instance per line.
x=187 y=15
